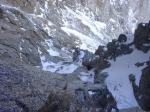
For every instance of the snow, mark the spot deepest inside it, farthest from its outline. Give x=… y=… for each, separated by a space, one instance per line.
x=87 y=42
x=50 y=48
x=87 y=77
x=132 y=21
x=96 y=29
x=81 y=55
x=66 y=69
x=91 y=93
x=23 y=29
x=59 y=67
x=118 y=82
x=112 y=20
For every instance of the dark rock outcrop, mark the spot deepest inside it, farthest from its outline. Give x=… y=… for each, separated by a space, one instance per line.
x=122 y=38
x=138 y=64
x=116 y=48
x=101 y=51
x=142 y=93
x=100 y=77
x=142 y=37
x=104 y=99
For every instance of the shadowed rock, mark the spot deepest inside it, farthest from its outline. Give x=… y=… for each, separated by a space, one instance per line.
x=142 y=92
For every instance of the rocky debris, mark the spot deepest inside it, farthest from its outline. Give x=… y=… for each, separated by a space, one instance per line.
x=142 y=93
x=142 y=37
x=116 y=48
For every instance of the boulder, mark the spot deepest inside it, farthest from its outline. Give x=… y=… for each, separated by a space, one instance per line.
x=138 y=64
x=122 y=38
x=101 y=51
x=125 y=49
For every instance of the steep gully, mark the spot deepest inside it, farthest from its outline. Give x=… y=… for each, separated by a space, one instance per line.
x=64 y=67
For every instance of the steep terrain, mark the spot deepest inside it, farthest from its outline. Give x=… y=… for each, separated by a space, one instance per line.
x=61 y=37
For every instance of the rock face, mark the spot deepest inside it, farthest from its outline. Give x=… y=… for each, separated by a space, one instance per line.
x=30 y=29
x=142 y=37
x=20 y=40
x=142 y=93
x=83 y=101
x=68 y=21
x=26 y=88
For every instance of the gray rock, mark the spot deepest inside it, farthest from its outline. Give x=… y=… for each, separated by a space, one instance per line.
x=19 y=39
x=26 y=88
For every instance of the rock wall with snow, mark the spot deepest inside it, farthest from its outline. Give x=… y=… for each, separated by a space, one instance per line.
x=84 y=23
x=43 y=33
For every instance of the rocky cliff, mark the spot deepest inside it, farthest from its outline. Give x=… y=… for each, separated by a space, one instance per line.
x=47 y=47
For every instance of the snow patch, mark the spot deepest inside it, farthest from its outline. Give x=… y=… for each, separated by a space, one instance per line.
x=59 y=67
x=51 y=50
x=87 y=42
x=96 y=35
x=118 y=82
x=132 y=21
x=87 y=76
